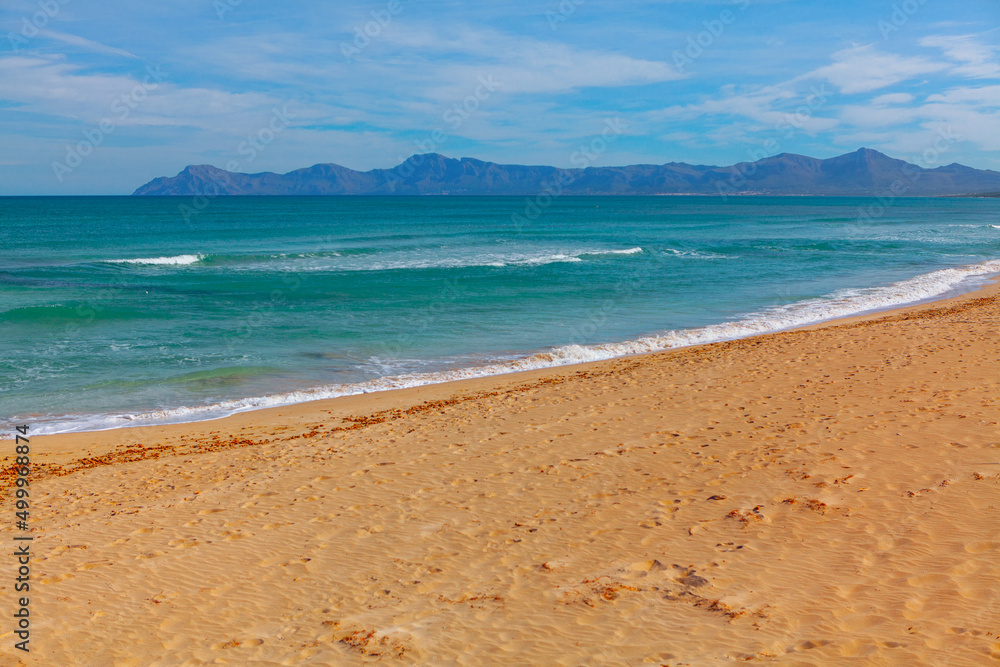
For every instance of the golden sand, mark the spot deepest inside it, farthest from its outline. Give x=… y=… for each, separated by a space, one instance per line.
x=817 y=497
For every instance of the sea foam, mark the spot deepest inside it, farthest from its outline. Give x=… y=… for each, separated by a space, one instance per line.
x=838 y=304
x=176 y=260
x=481 y=259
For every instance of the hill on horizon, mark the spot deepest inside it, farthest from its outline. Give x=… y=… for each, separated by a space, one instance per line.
x=862 y=172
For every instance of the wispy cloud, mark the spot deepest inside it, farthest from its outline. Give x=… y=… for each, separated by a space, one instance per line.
x=978 y=58
x=862 y=69
x=51 y=86
x=86 y=44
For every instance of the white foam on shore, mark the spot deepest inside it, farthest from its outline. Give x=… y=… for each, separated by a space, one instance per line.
x=176 y=260
x=839 y=304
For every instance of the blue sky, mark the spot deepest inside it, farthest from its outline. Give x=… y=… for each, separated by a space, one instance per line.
x=98 y=98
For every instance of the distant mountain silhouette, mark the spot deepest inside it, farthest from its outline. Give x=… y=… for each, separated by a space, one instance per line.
x=863 y=172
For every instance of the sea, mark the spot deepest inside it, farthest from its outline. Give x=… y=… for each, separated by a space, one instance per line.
x=126 y=311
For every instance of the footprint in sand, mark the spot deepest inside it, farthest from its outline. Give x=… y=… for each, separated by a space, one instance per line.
x=856 y=622
x=849 y=591
x=645 y=566
x=968 y=567
x=182 y=543
x=809 y=644
x=92 y=564
x=928 y=579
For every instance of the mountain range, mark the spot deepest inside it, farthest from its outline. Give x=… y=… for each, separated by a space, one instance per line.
x=861 y=173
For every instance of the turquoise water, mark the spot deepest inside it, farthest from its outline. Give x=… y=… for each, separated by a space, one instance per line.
x=123 y=310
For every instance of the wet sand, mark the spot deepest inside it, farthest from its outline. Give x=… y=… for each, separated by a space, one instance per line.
x=823 y=496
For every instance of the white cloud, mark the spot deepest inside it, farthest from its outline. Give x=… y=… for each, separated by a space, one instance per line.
x=862 y=69
x=49 y=86
x=893 y=121
x=987 y=95
x=892 y=98
x=431 y=62
x=776 y=111
x=872 y=115
x=550 y=70
x=976 y=125
x=529 y=65
x=978 y=59
x=86 y=44
x=973 y=114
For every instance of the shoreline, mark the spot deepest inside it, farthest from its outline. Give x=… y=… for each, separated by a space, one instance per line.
x=991 y=280
x=394 y=399
x=808 y=497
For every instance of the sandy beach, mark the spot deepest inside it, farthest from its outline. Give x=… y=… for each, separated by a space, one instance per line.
x=822 y=496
